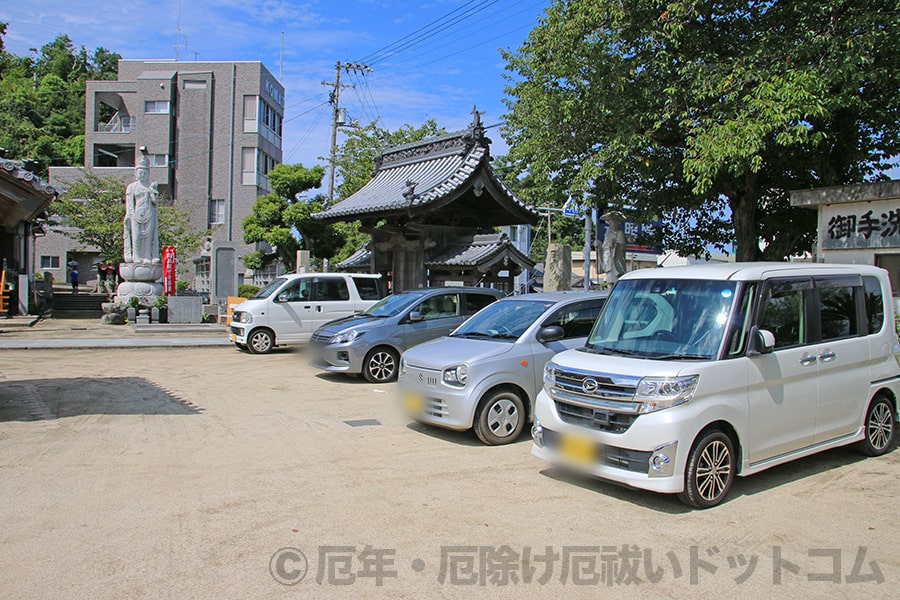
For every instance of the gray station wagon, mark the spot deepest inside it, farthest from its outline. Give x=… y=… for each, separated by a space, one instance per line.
x=370 y=343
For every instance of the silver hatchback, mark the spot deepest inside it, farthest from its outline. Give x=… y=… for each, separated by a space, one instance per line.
x=487 y=373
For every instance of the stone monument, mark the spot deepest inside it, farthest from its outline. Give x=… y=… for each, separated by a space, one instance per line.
x=614 y=245
x=142 y=269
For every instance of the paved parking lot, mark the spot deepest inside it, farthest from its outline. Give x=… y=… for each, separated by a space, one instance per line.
x=204 y=472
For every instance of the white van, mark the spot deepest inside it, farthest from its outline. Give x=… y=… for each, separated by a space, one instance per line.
x=291 y=308
x=693 y=375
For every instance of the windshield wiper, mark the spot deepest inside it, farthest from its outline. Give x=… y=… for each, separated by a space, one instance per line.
x=684 y=357
x=475 y=334
x=618 y=351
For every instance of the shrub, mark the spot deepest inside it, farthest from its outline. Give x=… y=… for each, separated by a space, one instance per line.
x=181 y=286
x=245 y=290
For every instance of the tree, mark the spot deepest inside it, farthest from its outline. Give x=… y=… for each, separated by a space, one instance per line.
x=42 y=100
x=704 y=114
x=283 y=220
x=93 y=208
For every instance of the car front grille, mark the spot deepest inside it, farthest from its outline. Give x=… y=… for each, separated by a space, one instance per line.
x=604 y=391
x=595 y=418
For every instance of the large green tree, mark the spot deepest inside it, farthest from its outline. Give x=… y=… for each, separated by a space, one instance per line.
x=92 y=209
x=705 y=114
x=282 y=219
x=42 y=100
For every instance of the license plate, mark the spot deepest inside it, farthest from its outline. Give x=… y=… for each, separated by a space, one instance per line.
x=578 y=449
x=413 y=402
x=233 y=337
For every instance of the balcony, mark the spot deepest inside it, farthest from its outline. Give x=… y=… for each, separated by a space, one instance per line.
x=117 y=124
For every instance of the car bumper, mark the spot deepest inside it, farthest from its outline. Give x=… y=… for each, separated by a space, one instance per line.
x=335 y=358
x=428 y=400
x=237 y=333
x=651 y=454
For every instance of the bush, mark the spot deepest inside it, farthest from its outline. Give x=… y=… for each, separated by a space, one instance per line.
x=245 y=290
x=181 y=286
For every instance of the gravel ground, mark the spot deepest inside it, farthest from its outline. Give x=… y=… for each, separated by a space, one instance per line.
x=209 y=473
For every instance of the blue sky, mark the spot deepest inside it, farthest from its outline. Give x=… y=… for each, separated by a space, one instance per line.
x=454 y=65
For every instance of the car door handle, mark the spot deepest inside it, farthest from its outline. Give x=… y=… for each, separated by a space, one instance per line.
x=827 y=356
x=807 y=360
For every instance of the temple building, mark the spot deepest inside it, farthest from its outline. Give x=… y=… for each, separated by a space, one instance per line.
x=433 y=208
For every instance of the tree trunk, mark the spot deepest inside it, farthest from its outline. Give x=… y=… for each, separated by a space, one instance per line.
x=743 y=203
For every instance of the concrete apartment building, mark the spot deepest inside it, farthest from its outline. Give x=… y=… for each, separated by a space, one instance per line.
x=211 y=131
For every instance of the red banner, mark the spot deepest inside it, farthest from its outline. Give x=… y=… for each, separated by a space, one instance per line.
x=168 y=263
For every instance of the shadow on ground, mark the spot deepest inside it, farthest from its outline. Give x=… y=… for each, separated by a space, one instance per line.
x=47 y=399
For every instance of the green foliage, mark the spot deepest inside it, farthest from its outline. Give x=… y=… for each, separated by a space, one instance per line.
x=245 y=290
x=704 y=114
x=160 y=302
x=134 y=302
x=283 y=220
x=42 y=100
x=181 y=286
x=94 y=206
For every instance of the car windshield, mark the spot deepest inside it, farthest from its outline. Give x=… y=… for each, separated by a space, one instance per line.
x=269 y=289
x=668 y=319
x=393 y=305
x=503 y=320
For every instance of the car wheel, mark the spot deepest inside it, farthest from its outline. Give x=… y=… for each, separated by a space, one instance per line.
x=879 y=427
x=380 y=365
x=261 y=341
x=501 y=418
x=710 y=471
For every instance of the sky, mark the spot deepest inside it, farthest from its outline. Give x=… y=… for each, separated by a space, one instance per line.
x=430 y=59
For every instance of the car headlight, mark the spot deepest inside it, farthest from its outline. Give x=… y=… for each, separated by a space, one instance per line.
x=658 y=393
x=549 y=376
x=347 y=336
x=457 y=375
x=242 y=317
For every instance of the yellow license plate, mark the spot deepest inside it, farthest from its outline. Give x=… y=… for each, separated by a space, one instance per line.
x=233 y=337
x=578 y=449
x=413 y=403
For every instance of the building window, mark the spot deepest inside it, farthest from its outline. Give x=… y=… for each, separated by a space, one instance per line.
x=160 y=107
x=158 y=160
x=216 y=211
x=49 y=262
x=248 y=166
x=251 y=105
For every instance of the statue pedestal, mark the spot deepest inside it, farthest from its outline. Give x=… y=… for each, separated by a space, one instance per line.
x=140 y=280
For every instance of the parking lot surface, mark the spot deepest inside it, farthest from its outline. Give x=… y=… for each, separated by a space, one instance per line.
x=204 y=472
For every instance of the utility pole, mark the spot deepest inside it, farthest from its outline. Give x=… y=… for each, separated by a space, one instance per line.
x=337 y=118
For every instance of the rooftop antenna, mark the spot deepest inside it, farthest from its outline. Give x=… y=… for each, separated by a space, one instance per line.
x=178 y=34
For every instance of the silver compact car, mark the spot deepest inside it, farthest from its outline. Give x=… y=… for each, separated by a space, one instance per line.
x=370 y=343
x=487 y=373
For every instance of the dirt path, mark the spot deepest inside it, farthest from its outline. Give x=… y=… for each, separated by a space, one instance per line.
x=208 y=473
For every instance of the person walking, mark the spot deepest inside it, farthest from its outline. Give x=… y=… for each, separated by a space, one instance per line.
x=73 y=277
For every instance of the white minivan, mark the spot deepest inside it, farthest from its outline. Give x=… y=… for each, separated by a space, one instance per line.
x=291 y=308
x=693 y=375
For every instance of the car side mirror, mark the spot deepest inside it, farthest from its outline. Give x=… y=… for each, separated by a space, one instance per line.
x=551 y=333
x=282 y=297
x=762 y=341
x=415 y=316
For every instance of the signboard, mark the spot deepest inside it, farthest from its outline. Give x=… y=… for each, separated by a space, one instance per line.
x=168 y=264
x=572 y=209
x=861 y=225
